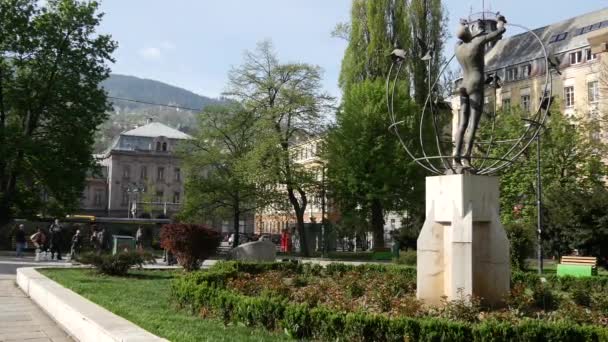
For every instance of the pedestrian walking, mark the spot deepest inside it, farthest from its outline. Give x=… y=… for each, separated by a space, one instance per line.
x=20 y=242
x=56 y=239
x=139 y=239
x=102 y=240
x=76 y=245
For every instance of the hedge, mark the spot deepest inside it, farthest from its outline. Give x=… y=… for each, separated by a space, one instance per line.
x=205 y=291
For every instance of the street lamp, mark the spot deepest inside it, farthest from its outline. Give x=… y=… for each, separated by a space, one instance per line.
x=539 y=201
x=133 y=190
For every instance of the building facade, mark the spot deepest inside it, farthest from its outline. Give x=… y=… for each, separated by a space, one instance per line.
x=140 y=175
x=575 y=48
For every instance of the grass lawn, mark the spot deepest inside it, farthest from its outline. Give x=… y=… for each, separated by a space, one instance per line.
x=143 y=298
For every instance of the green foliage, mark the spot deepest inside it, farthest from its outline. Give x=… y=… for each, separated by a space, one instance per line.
x=202 y=291
x=369 y=171
x=52 y=61
x=407 y=258
x=218 y=184
x=118 y=264
x=521 y=242
x=574 y=195
x=288 y=104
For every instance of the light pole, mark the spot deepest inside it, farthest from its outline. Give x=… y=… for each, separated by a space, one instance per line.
x=323 y=247
x=539 y=197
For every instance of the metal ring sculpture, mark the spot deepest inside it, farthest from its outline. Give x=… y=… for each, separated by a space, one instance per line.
x=495 y=164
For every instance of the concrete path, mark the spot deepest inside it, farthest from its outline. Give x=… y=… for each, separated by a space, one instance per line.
x=20 y=318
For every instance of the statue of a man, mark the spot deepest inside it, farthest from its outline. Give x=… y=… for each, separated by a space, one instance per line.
x=470 y=51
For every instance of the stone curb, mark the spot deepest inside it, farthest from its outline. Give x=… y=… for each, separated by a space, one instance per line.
x=81 y=318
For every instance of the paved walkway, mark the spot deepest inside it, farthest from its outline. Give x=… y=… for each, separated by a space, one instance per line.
x=20 y=318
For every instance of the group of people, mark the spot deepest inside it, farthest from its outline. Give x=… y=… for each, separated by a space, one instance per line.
x=52 y=241
x=43 y=241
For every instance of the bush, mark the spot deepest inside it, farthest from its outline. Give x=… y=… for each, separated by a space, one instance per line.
x=190 y=243
x=206 y=292
x=407 y=258
x=521 y=241
x=115 y=265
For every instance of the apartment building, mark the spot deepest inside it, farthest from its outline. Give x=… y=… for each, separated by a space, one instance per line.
x=575 y=48
x=140 y=174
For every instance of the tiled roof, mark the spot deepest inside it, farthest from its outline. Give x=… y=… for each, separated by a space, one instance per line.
x=156 y=129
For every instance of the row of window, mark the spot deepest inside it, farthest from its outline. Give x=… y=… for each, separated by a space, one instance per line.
x=576 y=57
x=143 y=173
x=593 y=96
x=159 y=197
x=524 y=71
x=97 y=196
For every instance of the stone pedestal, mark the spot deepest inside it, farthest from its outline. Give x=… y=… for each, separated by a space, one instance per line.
x=463 y=249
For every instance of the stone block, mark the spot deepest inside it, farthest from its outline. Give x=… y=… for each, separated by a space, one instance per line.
x=463 y=249
x=263 y=251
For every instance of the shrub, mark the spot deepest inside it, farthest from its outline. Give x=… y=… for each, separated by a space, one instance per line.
x=544 y=297
x=205 y=292
x=190 y=243
x=521 y=241
x=407 y=258
x=115 y=265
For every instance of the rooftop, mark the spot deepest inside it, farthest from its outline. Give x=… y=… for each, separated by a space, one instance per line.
x=156 y=129
x=566 y=35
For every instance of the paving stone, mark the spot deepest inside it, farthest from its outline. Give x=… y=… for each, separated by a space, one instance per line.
x=22 y=320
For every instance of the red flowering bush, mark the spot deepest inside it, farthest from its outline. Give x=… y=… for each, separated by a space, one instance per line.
x=190 y=243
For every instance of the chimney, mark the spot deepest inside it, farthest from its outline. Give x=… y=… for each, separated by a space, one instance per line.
x=149 y=120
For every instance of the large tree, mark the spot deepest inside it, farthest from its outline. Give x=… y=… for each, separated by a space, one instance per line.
x=217 y=184
x=572 y=174
x=52 y=61
x=368 y=169
x=289 y=104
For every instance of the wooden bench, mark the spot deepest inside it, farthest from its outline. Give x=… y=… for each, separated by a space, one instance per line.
x=577 y=266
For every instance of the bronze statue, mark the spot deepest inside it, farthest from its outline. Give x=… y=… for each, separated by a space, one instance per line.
x=470 y=51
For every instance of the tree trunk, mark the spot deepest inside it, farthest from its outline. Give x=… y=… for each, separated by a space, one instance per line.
x=235 y=224
x=299 y=211
x=302 y=233
x=377 y=224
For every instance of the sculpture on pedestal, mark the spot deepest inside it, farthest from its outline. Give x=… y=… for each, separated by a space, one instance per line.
x=462 y=247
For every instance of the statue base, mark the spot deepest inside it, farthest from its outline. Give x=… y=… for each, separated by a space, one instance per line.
x=463 y=249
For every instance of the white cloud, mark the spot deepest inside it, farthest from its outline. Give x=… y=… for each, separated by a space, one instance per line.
x=150 y=53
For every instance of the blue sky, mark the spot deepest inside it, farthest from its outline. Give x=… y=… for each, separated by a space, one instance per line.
x=193 y=43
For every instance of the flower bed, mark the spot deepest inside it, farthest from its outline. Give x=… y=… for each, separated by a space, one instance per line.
x=373 y=303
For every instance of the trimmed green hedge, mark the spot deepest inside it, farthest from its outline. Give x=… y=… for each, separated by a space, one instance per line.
x=205 y=291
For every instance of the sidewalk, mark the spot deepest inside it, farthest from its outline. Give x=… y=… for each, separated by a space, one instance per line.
x=22 y=320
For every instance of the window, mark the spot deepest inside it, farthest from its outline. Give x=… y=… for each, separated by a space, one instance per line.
x=569 y=96
x=160 y=174
x=558 y=37
x=158 y=145
x=590 y=56
x=576 y=57
x=144 y=172
x=525 y=102
x=506 y=104
x=159 y=196
x=176 y=197
x=125 y=197
x=512 y=74
x=98 y=197
x=164 y=147
x=593 y=89
x=126 y=171
x=178 y=174
x=526 y=70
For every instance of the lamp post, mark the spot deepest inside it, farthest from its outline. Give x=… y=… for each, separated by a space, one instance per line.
x=323 y=246
x=133 y=190
x=539 y=200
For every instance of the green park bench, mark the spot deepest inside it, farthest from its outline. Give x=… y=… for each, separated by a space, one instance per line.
x=577 y=266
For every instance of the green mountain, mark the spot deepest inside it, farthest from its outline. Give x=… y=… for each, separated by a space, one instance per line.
x=146 y=90
x=127 y=115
